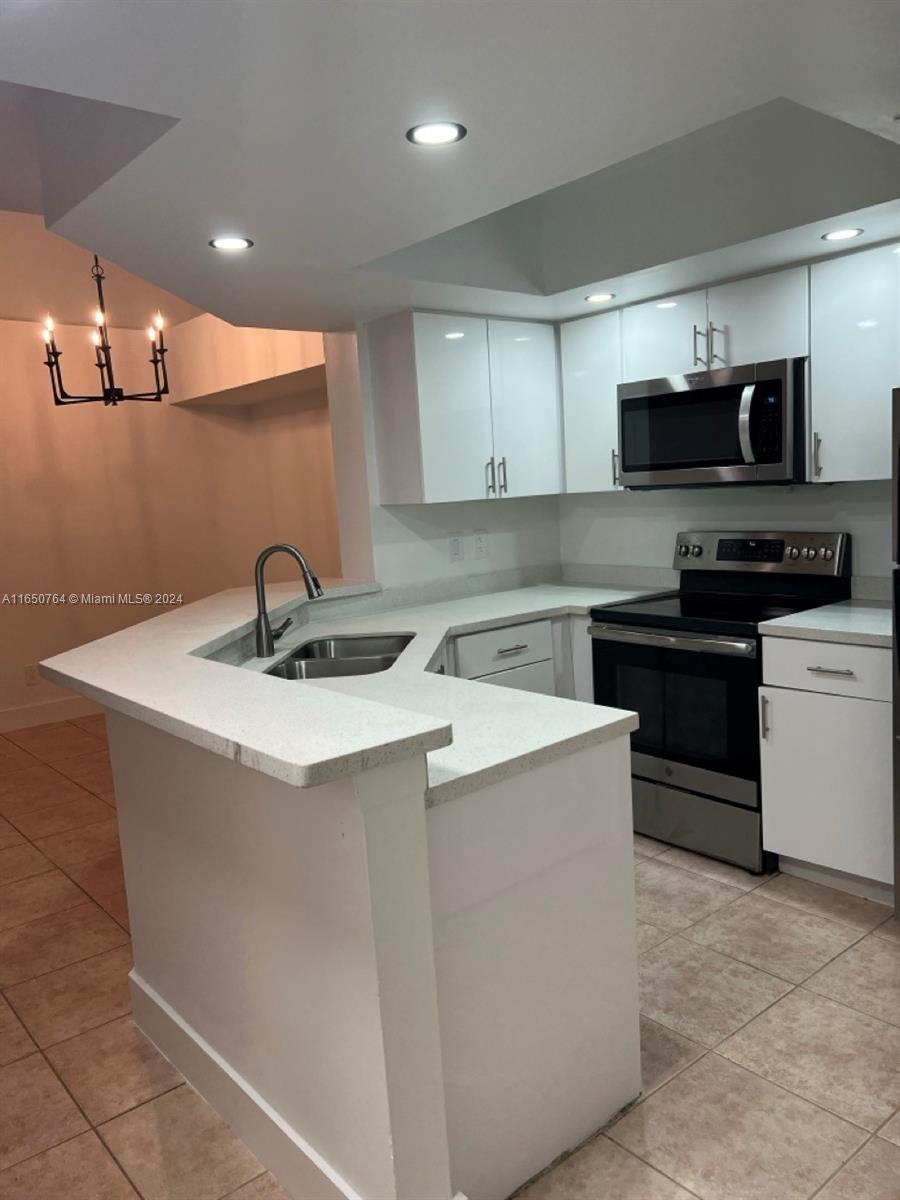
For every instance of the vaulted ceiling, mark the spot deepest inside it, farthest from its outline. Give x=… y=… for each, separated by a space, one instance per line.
x=160 y=124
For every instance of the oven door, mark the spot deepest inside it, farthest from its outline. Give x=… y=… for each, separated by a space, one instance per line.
x=696 y=696
x=727 y=426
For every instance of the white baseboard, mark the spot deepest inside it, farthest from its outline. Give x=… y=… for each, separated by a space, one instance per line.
x=302 y=1172
x=25 y=716
x=855 y=885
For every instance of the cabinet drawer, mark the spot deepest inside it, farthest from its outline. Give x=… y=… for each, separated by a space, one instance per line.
x=496 y=649
x=534 y=677
x=832 y=667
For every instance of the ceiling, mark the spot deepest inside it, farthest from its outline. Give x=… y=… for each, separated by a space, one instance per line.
x=285 y=120
x=40 y=271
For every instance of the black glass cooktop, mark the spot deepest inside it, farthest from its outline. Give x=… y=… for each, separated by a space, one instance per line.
x=705 y=612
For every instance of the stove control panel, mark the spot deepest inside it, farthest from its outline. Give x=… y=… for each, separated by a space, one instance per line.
x=792 y=553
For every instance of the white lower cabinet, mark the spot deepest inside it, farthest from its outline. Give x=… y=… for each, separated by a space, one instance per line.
x=535 y=677
x=826 y=780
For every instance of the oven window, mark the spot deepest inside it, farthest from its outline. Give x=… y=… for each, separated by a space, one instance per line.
x=695 y=708
x=680 y=430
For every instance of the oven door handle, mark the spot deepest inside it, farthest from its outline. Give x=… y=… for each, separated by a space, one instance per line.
x=668 y=641
x=744 y=424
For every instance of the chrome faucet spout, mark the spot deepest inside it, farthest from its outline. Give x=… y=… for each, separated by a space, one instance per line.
x=265 y=638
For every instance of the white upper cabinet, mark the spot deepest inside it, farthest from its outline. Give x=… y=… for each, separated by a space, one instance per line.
x=854 y=363
x=446 y=390
x=431 y=401
x=591 y=369
x=525 y=406
x=758 y=320
x=664 y=337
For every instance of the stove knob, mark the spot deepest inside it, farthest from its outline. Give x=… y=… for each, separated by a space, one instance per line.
x=793 y=551
x=827 y=553
x=696 y=551
x=809 y=552
x=683 y=550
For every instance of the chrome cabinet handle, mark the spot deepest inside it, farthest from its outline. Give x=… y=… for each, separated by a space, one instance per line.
x=698 y=361
x=711 y=343
x=490 y=472
x=504 y=482
x=616 y=477
x=764 y=726
x=845 y=671
x=513 y=649
x=817 y=454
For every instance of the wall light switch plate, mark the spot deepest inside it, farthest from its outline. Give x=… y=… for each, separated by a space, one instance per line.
x=457 y=549
x=480 y=547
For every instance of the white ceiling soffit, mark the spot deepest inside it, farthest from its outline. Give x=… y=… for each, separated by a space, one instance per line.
x=292 y=116
x=776 y=167
x=55 y=149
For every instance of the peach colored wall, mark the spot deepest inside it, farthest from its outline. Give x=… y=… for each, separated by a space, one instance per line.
x=214 y=355
x=139 y=498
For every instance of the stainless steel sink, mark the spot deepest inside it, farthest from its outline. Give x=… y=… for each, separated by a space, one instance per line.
x=366 y=645
x=330 y=668
x=349 y=654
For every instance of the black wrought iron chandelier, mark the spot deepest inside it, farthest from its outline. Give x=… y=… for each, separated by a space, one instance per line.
x=111 y=394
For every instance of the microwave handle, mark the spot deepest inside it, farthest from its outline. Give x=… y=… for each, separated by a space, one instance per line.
x=744 y=424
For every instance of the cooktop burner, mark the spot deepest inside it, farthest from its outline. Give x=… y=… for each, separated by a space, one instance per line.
x=706 y=612
x=731 y=582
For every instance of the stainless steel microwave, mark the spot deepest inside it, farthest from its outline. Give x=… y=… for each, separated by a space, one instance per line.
x=733 y=425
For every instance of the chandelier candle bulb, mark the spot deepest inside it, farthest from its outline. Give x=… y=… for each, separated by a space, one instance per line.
x=110 y=393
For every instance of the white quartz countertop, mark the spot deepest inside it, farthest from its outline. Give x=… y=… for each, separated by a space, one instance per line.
x=309 y=733
x=853 y=622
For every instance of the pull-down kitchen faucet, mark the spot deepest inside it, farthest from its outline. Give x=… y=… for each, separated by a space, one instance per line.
x=265 y=635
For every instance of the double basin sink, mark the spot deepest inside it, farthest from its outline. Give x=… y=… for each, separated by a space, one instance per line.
x=350 y=654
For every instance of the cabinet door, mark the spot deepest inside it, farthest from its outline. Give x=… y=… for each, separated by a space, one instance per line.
x=854 y=363
x=526 y=408
x=826 y=781
x=591 y=368
x=658 y=338
x=756 y=320
x=453 y=380
x=536 y=677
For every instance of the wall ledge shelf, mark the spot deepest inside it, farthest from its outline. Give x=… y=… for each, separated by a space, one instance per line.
x=306 y=385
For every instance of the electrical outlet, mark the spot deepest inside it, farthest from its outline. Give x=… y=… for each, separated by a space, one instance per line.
x=457 y=549
x=32 y=678
x=479 y=549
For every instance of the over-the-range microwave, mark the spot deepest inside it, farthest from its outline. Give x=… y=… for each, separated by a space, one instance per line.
x=734 y=425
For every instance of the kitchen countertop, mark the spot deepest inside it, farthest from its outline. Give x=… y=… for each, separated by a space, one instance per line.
x=313 y=732
x=853 y=622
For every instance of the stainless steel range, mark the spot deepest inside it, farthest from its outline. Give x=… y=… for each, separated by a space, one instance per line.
x=689 y=662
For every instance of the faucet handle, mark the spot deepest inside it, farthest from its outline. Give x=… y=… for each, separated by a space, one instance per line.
x=281 y=629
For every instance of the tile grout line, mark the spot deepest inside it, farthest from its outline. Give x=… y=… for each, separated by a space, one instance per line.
x=845 y=1163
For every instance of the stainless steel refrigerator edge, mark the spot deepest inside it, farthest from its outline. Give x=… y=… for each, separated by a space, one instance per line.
x=895 y=595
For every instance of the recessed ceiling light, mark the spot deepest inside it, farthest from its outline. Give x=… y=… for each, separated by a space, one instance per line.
x=229 y=242
x=841 y=235
x=667 y=304
x=521 y=339
x=452 y=336
x=600 y=297
x=436 y=133
x=869 y=324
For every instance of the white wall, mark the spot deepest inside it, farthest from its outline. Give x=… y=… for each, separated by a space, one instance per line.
x=638 y=528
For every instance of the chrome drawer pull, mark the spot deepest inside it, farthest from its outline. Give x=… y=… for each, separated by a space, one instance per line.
x=513 y=649
x=832 y=671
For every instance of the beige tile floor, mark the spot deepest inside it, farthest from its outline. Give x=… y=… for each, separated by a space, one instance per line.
x=770 y=1030
x=770 y=1026
x=88 y=1109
